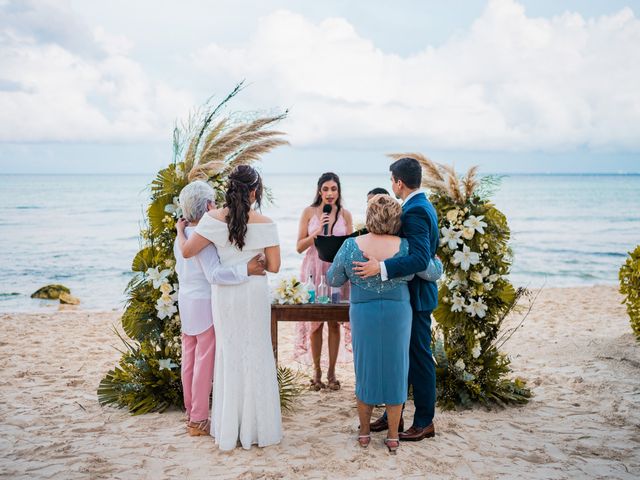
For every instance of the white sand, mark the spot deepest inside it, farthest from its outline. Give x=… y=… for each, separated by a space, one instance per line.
x=576 y=351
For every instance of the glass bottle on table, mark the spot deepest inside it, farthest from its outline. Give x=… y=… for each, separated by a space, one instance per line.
x=311 y=289
x=323 y=291
x=335 y=295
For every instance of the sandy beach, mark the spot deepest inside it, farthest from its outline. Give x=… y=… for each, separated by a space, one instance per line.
x=575 y=350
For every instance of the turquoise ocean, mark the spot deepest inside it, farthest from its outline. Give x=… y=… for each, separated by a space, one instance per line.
x=82 y=230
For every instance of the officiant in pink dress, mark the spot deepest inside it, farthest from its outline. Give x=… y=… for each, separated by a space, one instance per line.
x=325 y=216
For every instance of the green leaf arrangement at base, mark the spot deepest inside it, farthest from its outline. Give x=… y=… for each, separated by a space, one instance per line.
x=147 y=378
x=475 y=295
x=291 y=387
x=630 y=287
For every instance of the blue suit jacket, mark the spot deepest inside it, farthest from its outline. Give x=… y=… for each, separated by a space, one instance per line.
x=420 y=228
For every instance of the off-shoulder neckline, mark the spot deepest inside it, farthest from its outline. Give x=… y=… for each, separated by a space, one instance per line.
x=250 y=223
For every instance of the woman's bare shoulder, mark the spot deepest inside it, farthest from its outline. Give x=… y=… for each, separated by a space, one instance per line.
x=347 y=214
x=308 y=212
x=257 y=217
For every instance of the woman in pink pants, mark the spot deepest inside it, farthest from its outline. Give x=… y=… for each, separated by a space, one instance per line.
x=195 y=276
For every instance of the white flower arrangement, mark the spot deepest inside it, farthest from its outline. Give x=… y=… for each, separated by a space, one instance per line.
x=174 y=208
x=475 y=223
x=476 y=308
x=290 y=292
x=466 y=258
x=451 y=237
x=158 y=277
x=166 y=304
x=458 y=303
x=471 y=268
x=166 y=364
x=165 y=309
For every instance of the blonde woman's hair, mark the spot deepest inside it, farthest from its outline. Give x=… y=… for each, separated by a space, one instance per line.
x=383 y=215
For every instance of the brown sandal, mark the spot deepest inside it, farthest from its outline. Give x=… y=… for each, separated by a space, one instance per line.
x=197 y=429
x=334 y=384
x=316 y=385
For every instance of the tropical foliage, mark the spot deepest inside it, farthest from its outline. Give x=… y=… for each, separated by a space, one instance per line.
x=630 y=288
x=291 y=386
x=208 y=147
x=475 y=296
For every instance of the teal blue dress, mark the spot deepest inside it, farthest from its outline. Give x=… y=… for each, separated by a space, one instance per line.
x=380 y=316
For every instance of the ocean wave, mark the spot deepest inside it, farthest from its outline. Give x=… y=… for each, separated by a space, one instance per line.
x=564 y=238
x=566 y=251
x=59 y=276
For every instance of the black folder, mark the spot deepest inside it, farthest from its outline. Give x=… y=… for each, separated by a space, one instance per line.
x=328 y=246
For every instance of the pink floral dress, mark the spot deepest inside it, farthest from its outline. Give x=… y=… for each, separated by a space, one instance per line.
x=312 y=265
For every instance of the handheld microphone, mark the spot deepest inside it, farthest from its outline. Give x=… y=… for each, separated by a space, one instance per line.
x=326 y=209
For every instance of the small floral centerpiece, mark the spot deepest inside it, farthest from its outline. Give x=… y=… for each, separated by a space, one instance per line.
x=290 y=292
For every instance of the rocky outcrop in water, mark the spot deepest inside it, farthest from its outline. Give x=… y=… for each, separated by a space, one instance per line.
x=50 y=292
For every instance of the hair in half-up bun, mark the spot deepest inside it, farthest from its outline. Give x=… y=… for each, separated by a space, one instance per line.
x=241 y=182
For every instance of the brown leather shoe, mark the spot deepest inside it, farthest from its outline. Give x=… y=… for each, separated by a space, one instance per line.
x=415 y=434
x=381 y=424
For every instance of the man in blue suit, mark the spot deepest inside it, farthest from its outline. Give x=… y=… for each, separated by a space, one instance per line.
x=420 y=228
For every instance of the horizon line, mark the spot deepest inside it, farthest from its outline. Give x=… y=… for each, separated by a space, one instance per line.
x=618 y=173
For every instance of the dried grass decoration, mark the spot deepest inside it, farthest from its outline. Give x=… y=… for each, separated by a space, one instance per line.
x=147 y=378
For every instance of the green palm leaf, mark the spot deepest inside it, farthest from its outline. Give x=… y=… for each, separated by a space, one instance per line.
x=290 y=386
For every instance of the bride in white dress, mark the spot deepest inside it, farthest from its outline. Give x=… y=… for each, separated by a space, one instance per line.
x=246 y=401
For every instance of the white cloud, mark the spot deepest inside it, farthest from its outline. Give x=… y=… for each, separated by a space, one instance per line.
x=66 y=82
x=509 y=82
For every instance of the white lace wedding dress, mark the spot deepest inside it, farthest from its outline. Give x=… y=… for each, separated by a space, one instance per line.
x=246 y=402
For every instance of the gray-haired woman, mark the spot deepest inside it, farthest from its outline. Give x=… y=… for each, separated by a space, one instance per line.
x=195 y=276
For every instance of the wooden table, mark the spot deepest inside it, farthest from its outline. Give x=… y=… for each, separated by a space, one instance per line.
x=308 y=312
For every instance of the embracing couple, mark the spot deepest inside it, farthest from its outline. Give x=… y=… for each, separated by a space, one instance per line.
x=393 y=293
x=221 y=258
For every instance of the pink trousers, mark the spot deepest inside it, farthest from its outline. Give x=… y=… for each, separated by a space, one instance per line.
x=197 y=372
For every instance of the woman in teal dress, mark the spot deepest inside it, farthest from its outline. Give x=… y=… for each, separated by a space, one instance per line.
x=380 y=316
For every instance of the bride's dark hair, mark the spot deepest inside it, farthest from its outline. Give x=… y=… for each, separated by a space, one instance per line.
x=241 y=182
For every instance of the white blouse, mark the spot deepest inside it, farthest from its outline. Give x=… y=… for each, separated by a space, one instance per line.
x=195 y=276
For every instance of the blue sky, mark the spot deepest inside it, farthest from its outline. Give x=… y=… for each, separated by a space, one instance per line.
x=515 y=86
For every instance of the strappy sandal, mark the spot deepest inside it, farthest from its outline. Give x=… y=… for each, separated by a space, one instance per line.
x=364 y=440
x=334 y=384
x=197 y=429
x=316 y=385
x=392 y=444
